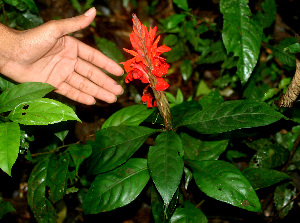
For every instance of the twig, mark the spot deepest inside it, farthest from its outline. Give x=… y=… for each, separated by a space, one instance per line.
x=4 y=14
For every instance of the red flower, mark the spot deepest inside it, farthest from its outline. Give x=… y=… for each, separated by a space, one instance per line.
x=146 y=65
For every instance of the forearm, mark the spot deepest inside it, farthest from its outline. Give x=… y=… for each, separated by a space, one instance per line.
x=7 y=44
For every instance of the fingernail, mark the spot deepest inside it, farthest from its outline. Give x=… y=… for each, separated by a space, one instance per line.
x=90 y=11
x=122 y=73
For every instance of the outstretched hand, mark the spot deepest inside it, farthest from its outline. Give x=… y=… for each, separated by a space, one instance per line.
x=47 y=54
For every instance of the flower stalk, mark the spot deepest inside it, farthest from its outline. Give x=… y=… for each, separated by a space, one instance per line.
x=149 y=67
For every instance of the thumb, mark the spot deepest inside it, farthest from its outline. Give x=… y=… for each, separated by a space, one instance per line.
x=66 y=26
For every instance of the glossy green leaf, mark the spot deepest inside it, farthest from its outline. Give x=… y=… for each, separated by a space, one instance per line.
x=162 y=213
x=109 y=49
x=188 y=176
x=57 y=177
x=79 y=152
x=282 y=197
x=261 y=177
x=212 y=98
x=172 y=21
x=165 y=161
x=5 y=84
x=31 y=5
x=115 y=145
x=269 y=7
x=41 y=112
x=224 y=182
x=188 y=213
x=283 y=55
x=242 y=35
x=61 y=135
x=294 y=48
x=117 y=188
x=17 y=94
x=186 y=69
x=181 y=4
x=9 y=145
x=231 y=115
x=195 y=149
x=28 y=20
x=5 y=207
x=39 y=204
x=268 y=155
x=132 y=115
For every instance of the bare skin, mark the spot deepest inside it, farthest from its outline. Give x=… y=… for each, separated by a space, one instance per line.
x=47 y=54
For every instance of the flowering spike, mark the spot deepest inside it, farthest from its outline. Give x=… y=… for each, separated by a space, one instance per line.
x=148 y=67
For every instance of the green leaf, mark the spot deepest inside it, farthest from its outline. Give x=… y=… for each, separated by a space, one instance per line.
x=165 y=161
x=181 y=4
x=17 y=94
x=161 y=212
x=261 y=177
x=132 y=115
x=31 y=5
x=172 y=21
x=195 y=149
x=109 y=49
x=268 y=156
x=39 y=204
x=61 y=135
x=27 y=20
x=79 y=153
x=224 y=182
x=282 y=55
x=117 y=188
x=241 y=35
x=9 y=145
x=231 y=115
x=294 y=48
x=187 y=213
x=170 y=40
x=57 y=177
x=270 y=9
x=42 y=111
x=76 y=5
x=186 y=69
x=115 y=145
x=188 y=176
x=5 y=207
x=215 y=53
x=282 y=197
x=5 y=84
x=213 y=98
x=202 y=89
x=176 y=53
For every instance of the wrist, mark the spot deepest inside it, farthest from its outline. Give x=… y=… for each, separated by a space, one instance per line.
x=7 y=45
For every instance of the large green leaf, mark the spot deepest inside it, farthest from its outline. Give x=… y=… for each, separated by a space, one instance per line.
x=17 y=94
x=242 y=35
x=109 y=49
x=283 y=198
x=231 y=115
x=224 y=182
x=39 y=204
x=188 y=213
x=115 y=145
x=116 y=188
x=132 y=115
x=79 y=152
x=42 y=111
x=31 y=5
x=5 y=207
x=28 y=20
x=261 y=177
x=9 y=145
x=165 y=161
x=195 y=149
x=5 y=83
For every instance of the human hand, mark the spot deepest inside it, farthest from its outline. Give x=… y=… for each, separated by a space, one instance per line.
x=47 y=54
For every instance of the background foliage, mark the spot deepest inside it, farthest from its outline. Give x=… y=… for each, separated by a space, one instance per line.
x=232 y=155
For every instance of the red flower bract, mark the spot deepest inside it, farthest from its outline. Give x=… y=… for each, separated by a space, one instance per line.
x=147 y=64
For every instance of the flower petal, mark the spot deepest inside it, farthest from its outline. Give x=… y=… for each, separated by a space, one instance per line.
x=161 y=85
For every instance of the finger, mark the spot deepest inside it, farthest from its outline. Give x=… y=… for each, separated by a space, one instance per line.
x=94 y=74
x=97 y=58
x=74 y=94
x=84 y=85
x=66 y=26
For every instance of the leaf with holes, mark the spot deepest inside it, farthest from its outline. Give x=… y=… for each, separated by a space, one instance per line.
x=165 y=161
x=115 y=145
x=224 y=182
x=116 y=188
x=42 y=111
x=231 y=115
x=188 y=213
x=132 y=115
x=17 y=94
x=9 y=145
x=242 y=35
